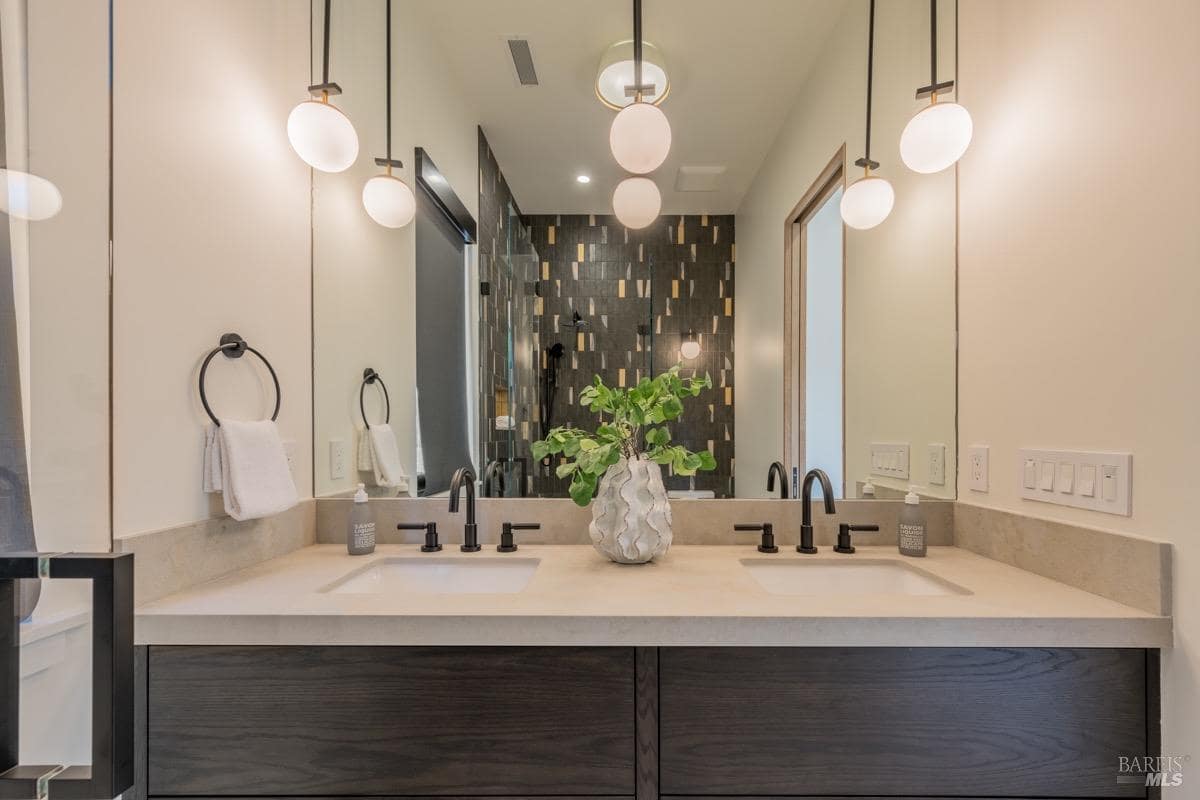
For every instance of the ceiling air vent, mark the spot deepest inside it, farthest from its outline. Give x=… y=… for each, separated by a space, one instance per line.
x=698 y=179
x=523 y=61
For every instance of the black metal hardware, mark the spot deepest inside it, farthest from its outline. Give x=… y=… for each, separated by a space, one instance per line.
x=866 y=161
x=485 y=288
x=111 y=770
x=432 y=545
x=326 y=86
x=507 y=545
x=767 y=545
x=806 y=528
x=372 y=377
x=438 y=189
x=843 y=540
x=777 y=469
x=493 y=471
x=388 y=161
x=464 y=477
x=934 y=87
x=234 y=346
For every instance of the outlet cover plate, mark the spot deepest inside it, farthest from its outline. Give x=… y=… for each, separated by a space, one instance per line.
x=977 y=467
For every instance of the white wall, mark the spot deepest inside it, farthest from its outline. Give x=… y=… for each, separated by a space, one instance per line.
x=900 y=284
x=211 y=234
x=363 y=303
x=1080 y=269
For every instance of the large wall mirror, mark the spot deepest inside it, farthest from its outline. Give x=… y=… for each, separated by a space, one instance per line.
x=468 y=333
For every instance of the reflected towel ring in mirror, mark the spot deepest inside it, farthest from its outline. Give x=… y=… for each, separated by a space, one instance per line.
x=371 y=376
x=234 y=346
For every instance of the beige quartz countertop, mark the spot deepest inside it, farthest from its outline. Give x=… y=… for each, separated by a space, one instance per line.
x=698 y=595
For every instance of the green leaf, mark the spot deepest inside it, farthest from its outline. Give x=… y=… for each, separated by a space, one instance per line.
x=583 y=488
x=672 y=407
x=658 y=436
x=588 y=444
x=565 y=469
x=707 y=461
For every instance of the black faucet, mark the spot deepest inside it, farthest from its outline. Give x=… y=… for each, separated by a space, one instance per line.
x=494 y=470
x=843 y=542
x=806 y=529
x=767 y=545
x=777 y=468
x=464 y=476
x=431 y=535
x=507 y=545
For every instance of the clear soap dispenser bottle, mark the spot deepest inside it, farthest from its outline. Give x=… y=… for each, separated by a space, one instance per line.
x=912 y=525
x=360 y=538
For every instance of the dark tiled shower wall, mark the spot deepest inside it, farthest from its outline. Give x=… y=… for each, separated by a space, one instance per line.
x=673 y=277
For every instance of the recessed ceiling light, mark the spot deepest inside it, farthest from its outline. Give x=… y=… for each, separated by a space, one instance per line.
x=583 y=178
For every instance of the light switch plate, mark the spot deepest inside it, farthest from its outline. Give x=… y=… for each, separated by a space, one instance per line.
x=936 y=469
x=337 y=459
x=977 y=467
x=889 y=460
x=1097 y=481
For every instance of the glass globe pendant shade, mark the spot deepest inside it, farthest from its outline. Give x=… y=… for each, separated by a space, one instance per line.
x=689 y=349
x=322 y=136
x=867 y=202
x=640 y=138
x=617 y=69
x=935 y=137
x=389 y=201
x=636 y=202
x=27 y=196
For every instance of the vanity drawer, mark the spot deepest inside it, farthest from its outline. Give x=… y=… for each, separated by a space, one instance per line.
x=280 y=721
x=900 y=721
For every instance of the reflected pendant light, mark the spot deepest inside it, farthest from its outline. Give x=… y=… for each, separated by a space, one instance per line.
x=937 y=135
x=640 y=136
x=24 y=195
x=868 y=201
x=636 y=202
x=387 y=199
x=319 y=132
x=690 y=348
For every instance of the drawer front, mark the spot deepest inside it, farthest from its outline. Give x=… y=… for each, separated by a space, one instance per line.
x=280 y=721
x=900 y=721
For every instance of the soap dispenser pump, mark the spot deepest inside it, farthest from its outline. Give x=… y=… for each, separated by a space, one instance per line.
x=868 y=489
x=360 y=538
x=911 y=533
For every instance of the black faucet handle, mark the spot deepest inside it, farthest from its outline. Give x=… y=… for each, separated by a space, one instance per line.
x=431 y=534
x=767 y=545
x=507 y=545
x=843 y=540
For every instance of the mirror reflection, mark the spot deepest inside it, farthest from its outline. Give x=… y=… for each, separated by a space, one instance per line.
x=741 y=247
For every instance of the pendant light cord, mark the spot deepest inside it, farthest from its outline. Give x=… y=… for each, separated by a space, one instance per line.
x=870 y=73
x=325 y=47
x=388 y=82
x=637 y=50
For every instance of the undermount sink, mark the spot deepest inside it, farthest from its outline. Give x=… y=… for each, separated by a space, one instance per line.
x=858 y=576
x=439 y=575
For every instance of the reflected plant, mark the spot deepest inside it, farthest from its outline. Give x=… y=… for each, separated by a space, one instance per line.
x=632 y=425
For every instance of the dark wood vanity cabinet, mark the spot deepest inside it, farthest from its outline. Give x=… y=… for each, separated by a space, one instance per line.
x=647 y=722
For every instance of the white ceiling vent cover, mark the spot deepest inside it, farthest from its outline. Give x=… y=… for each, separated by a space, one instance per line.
x=698 y=179
x=522 y=58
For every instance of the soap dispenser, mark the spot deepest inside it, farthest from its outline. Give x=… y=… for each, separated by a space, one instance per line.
x=912 y=525
x=360 y=538
x=868 y=489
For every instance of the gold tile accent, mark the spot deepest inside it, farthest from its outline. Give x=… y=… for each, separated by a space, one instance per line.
x=580 y=253
x=620 y=288
x=545 y=270
x=674 y=288
x=579 y=341
x=550 y=234
x=704 y=220
x=679 y=232
x=728 y=395
x=621 y=377
x=733 y=252
x=729 y=306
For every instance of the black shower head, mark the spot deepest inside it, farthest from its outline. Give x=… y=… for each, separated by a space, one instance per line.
x=555 y=350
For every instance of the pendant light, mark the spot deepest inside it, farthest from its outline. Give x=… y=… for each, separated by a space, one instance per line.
x=868 y=201
x=640 y=136
x=690 y=348
x=388 y=199
x=319 y=132
x=636 y=202
x=24 y=195
x=937 y=135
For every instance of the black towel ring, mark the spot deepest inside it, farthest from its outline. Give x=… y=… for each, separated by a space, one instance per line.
x=234 y=346
x=371 y=376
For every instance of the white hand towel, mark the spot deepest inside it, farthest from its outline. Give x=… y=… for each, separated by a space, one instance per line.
x=255 y=477
x=212 y=459
x=385 y=454
x=365 y=462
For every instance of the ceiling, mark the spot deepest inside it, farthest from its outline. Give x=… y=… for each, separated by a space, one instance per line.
x=735 y=70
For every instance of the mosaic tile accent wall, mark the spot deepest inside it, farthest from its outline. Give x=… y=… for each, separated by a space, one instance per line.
x=672 y=277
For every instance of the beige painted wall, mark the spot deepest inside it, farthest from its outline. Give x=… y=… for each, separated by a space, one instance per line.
x=211 y=234
x=900 y=361
x=1080 y=270
x=364 y=280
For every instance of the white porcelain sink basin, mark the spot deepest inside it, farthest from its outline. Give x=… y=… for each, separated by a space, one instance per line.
x=439 y=575
x=858 y=576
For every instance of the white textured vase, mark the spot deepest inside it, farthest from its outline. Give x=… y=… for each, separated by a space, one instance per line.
x=631 y=517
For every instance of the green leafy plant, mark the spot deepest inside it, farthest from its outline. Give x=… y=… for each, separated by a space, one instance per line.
x=633 y=425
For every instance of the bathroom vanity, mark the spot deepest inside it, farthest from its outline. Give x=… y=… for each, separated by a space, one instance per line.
x=321 y=675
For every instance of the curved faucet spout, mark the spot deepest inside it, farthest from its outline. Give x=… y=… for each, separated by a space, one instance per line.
x=777 y=468
x=464 y=477
x=826 y=493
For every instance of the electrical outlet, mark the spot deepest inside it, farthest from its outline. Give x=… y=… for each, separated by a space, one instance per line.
x=937 y=465
x=977 y=466
x=337 y=459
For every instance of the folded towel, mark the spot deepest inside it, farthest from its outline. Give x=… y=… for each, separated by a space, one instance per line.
x=365 y=462
x=255 y=478
x=212 y=459
x=385 y=457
